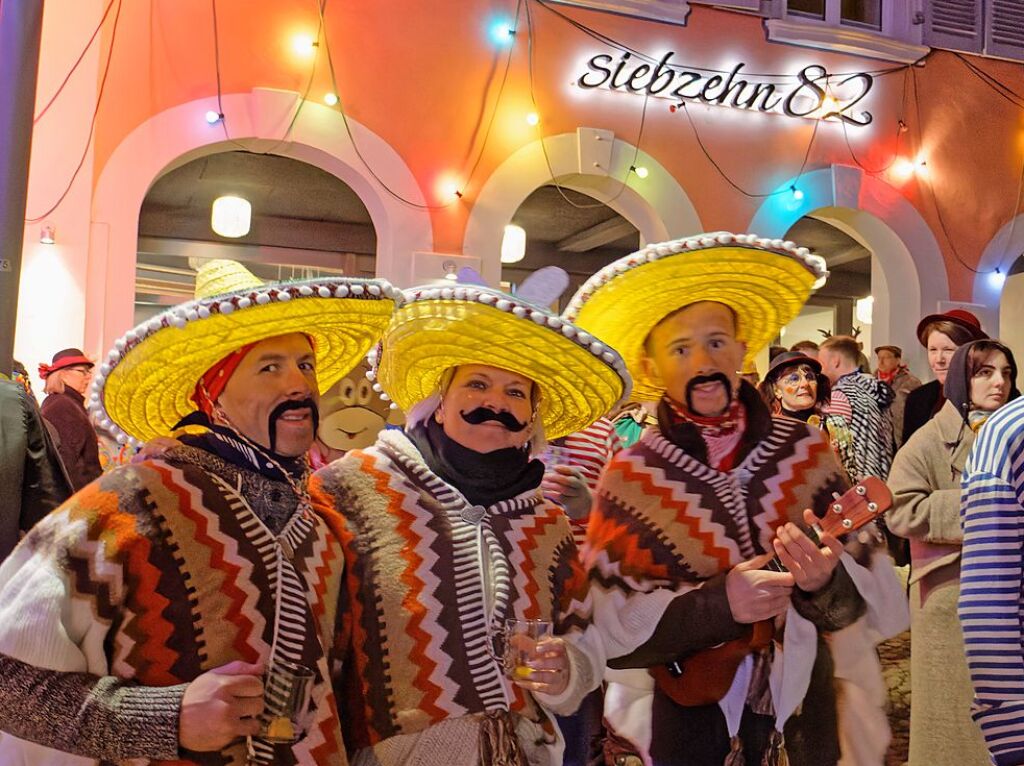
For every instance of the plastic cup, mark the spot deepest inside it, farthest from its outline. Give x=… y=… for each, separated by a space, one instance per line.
x=287 y=692
x=520 y=646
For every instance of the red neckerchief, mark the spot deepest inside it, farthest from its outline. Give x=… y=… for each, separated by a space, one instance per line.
x=889 y=377
x=721 y=433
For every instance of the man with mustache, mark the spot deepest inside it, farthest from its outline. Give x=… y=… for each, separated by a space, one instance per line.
x=182 y=580
x=448 y=534
x=686 y=519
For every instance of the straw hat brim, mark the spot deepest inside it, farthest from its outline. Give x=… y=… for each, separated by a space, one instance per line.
x=624 y=302
x=144 y=386
x=580 y=378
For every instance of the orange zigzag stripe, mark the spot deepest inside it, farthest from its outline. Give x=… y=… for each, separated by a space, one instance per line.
x=800 y=470
x=417 y=611
x=650 y=489
x=531 y=541
x=235 y=615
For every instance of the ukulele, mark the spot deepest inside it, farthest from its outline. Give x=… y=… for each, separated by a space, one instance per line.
x=705 y=677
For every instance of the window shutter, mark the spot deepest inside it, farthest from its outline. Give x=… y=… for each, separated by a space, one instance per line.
x=1004 y=29
x=956 y=24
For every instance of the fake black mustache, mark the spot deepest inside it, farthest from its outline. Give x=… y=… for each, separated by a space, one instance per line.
x=285 y=406
x=715 y=377
x=483 y=414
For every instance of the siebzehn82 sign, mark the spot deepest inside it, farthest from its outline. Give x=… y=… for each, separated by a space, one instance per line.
x=808 y=93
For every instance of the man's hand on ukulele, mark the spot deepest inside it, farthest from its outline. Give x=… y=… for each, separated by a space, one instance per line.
x=811 y=565
x=757 y=594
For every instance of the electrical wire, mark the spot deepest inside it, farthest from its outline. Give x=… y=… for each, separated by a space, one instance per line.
x=543 y=145
x=74 y=66
x=735 y=185
x=487 y=132
x=931 y=189
x=92 y=124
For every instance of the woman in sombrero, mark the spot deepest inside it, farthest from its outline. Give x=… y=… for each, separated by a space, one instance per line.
x=449 y=536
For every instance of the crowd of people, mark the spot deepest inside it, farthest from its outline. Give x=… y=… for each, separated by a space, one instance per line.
x=593 y=539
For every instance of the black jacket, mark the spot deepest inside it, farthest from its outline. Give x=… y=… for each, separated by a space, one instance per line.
x=32 y=479
x=922 y=404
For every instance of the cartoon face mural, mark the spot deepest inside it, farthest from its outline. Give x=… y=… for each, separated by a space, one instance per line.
x=352 y=413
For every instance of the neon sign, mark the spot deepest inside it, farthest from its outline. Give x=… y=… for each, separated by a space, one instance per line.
x=812 y=96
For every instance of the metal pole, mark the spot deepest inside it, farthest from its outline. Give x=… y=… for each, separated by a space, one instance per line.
x=21 y=26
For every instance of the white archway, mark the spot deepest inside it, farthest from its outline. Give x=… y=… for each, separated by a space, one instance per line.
x=1003 y=301
x=657 y=205
x=910 y=279
x=256 y=121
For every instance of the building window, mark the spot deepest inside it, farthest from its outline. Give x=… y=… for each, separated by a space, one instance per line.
x=861 y=13
x=867 y=12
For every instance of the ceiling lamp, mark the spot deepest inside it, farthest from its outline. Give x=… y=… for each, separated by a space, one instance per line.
x=231 y=216
x=513 y=244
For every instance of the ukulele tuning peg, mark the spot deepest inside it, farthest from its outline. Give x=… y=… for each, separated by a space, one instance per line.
x=847 y=523
x=862 y=490
x=836 y=496
x=837 y=508
x=873 y=507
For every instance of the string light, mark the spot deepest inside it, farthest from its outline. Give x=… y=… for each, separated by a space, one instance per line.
x=640 y=170
x=533 y=119
x=902 y=169
x=997 y=278
x=797 y=194
x=304 y=45
x=331 y=99
x=502 y=32
x=449 y=189
x=212 y=117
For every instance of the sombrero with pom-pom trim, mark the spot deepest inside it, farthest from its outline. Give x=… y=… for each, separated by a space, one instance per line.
x=580 y=377
x=144 y=385
x=765 y=281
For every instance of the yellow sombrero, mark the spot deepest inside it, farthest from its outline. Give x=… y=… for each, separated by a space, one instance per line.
x=580 y=377
x=766 y=282
x=143 y=388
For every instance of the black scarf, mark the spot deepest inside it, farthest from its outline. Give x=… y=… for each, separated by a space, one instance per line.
x=803 y=415
x=225 y=444
x=483 y=478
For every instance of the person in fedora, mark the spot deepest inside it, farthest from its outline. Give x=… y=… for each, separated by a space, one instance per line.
x=941 y=335
x=892 y=370
x=686 y=518
x=449 y=534
x=151 y=604
x=66 y=380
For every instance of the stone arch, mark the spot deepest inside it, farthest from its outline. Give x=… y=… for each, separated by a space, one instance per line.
x=657 y=205
x=911 y=278
x=256 y=120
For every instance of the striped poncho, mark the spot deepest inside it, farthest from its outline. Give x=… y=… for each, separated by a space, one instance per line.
x=665 y=524
x=161 y=571
x=429 y=579
x=991 y=603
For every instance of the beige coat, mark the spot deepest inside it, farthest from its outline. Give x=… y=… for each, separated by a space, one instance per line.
x=925 y=480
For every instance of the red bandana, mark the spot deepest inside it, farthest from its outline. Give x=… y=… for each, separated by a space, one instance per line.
x=211 y=385
x=721 y=433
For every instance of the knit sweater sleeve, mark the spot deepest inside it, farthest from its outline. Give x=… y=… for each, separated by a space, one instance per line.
x=106 y=718
x=60 y=590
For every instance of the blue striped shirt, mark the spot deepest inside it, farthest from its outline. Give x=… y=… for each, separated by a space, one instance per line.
x=991 y=603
